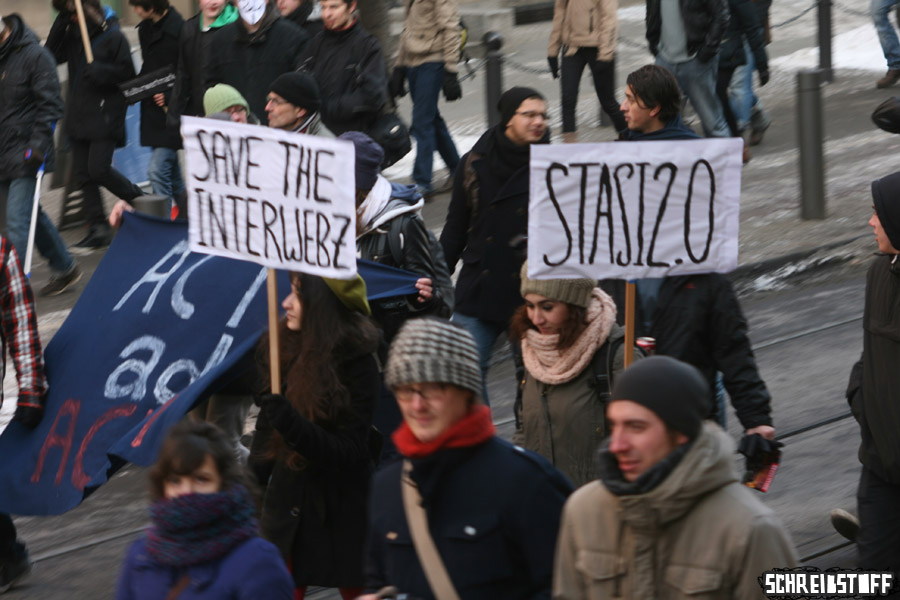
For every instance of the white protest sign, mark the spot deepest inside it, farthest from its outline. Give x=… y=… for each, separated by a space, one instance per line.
x=280 y=199
x=631 y=210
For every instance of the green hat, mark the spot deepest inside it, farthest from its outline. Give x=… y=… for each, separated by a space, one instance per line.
x=570 y=291
x=351 y=293
x=222 y=96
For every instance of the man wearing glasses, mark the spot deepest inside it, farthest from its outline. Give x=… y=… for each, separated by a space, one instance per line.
x=487 y=220
x=293 y=104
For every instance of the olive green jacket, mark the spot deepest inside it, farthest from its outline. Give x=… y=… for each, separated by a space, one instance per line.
x=699 y=533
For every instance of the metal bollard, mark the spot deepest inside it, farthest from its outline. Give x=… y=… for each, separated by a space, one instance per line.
x=809 y=133
x=152 y=204
x=493 y=67
x=825 y=66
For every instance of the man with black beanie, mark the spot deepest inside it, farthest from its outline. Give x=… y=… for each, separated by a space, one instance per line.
x=874 y=390
x=668 y=516
x=487 y=220
x=293 y=104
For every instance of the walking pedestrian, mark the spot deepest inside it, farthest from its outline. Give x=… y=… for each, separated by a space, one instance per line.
x=747 y=106
x=668 y=517
x=19 y=336
x=572 y=349
x=684 y=37
x=158 y=34
x=487 y=219
x=95 y=108
x=874 y=390
x=193 y=59
x=203 y=542
x=585 y=31
x=30 y=105
x=314 y=445
x=427 y=58
x=488 y=510
x=347 y=64
x=252 y=52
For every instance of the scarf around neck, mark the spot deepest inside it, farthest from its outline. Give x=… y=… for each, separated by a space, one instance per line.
x=548 y=364
x=198 y=528
x=473 y=429
x=505 y=157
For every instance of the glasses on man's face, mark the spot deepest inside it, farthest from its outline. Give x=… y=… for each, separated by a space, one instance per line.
x=531 y=115
x=428 y=391
x=235 y=110
x=275 y=101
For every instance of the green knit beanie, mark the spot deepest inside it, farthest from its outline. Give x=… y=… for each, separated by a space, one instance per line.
x=571 y=291
x=351 y=293
x=222 y=96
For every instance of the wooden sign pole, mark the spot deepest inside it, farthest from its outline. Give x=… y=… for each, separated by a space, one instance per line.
x=629 y=323
x=85 y=39
x=274 y=355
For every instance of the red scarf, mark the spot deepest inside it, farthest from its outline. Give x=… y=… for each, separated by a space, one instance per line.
x=473 y=429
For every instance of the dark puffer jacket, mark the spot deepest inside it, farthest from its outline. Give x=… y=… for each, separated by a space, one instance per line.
x=159 y=48
x=704 y=21
x=95 y=107
x=251 y=62
x=29 y=99
x=493 y=512
x=349 y=67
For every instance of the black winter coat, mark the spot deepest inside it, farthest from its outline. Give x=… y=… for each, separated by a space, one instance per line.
x=487 y=222
x=744 y=22
x=874 y=390
x=250 y=63
x=190 y=76
x=300 y=18
x=705 y=22
x=352 y=75
x=95 y=107
x=493 y=512
x=29 y=99
x=159 y=48
x=317 y=516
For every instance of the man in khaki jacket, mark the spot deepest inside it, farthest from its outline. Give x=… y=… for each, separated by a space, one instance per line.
x=427 y=57
x=668 y=518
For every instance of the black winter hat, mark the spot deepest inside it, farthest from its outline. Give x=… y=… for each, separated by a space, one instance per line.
x=300 y=89
x=886 y=194
x=369 y=156
x=512 y=99
x=674 y=390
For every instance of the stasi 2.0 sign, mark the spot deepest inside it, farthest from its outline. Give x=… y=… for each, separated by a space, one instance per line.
x=631 y=210
x=280 y=199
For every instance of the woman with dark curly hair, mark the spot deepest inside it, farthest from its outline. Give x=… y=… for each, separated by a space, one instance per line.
x=562 y=326
x=313 y=444
x=204 y=539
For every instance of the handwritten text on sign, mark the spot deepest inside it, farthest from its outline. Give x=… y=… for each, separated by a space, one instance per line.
x=280 y=199
x=634 y=210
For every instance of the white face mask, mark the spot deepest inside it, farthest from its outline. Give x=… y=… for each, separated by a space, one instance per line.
x=252 y=11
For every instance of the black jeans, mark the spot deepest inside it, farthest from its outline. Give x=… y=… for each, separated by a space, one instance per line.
x=723 y=82
x=92 y=167
x=604 y=73
x=878 y=541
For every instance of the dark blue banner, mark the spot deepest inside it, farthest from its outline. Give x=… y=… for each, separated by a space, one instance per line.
x=154 y=329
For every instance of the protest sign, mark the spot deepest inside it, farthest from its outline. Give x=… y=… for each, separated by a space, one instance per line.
x=156 y=330
x=280 y=199
x=634 y=210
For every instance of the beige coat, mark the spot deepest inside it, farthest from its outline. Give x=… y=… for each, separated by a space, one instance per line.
x=431 y=33
x=565 y=423
x=698 y=533
x=584 y=24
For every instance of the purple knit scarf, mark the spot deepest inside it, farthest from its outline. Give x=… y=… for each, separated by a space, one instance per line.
x=197 y=528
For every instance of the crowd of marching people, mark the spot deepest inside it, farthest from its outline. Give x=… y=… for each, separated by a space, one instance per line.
x=376 y=468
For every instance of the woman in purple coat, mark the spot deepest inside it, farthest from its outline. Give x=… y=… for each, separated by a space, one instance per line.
x=204 y=541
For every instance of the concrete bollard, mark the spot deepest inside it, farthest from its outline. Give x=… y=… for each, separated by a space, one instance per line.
x=810 y=140
x=493 y=68
x=152 y=204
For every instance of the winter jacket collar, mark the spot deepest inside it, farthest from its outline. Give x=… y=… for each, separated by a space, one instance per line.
x=675 y=129
x=704 y=467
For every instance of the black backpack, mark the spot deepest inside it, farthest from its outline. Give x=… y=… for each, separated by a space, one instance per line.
x=443 y=284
